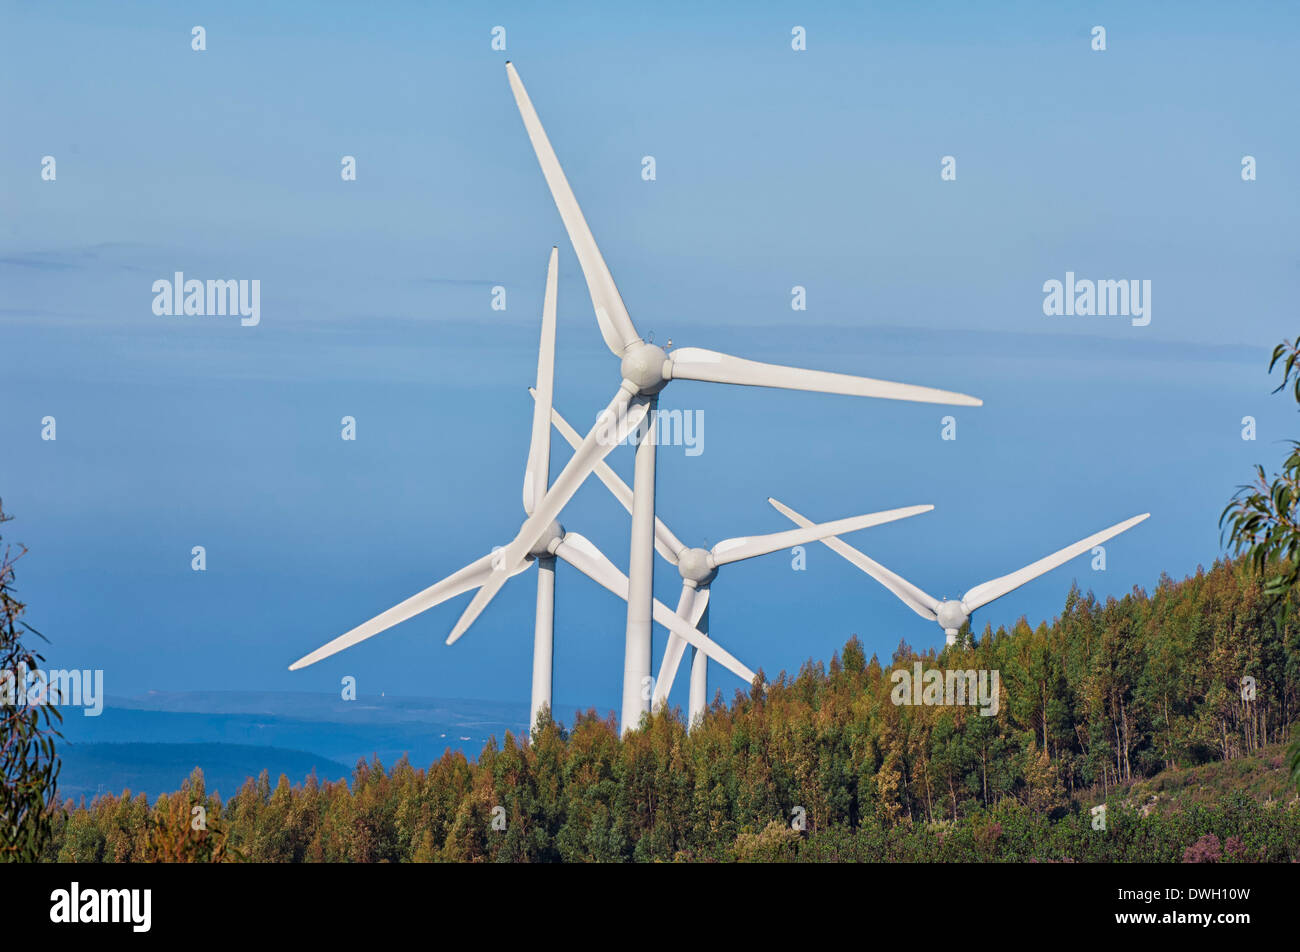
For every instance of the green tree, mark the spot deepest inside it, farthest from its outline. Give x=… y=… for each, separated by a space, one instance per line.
x=29 y=766
x=185 y=828
x=1263 y=518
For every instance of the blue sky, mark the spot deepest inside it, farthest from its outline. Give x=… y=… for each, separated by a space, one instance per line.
x=774 y=168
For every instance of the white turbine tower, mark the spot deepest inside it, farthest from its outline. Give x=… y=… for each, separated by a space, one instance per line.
x=554 y=542
x=699 y=567
x=645 y=370
x=949 y=613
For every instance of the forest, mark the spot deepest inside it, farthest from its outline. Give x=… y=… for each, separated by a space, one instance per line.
x=825 y=765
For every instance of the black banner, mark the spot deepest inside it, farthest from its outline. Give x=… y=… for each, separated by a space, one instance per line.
x=331 y=901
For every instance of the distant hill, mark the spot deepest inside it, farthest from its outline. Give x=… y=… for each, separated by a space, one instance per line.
x=151 y=769
x=289 y=731
x=346 y=731
x=302 y=705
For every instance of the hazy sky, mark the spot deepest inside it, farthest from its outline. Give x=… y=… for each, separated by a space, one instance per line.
x=774 y=168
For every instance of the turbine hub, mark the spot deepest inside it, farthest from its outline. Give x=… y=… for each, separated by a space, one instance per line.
x=643 y=365
x=696 y=566
x=952 y=615
x=542 y=547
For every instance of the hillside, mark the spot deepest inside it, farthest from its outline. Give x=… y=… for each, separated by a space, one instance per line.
x=1261 y=777
x=1123 y=702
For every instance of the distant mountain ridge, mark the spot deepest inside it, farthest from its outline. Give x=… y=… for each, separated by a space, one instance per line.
x=313 y=706
x=89 y=770
x=151 y=742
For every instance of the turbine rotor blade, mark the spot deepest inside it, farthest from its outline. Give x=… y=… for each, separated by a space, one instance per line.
x=696 y=363
x=586 y=558
x=921 y=602
x=668 y=545
x=612 y=317
x=674 y=650
x=539 y=446
x=986 y=592
x=701 y=603
x=747 y=547
x=613 y=425
x=471 y=576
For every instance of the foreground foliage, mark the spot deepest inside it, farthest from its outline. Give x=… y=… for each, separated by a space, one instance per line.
x=1262 y=520
x=1091 y=706
x=29 y=765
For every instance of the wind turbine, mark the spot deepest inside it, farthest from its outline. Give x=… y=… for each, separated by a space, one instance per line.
x=951 y=614
x=645 y=369
x=554 y=542
x=699 y=567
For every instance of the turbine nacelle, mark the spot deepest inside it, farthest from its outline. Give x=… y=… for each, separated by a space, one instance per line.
x=951 y=615
x=697 y=566
x=546 y=543
x=644 y=365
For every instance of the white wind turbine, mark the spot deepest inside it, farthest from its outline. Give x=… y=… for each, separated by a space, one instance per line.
x=951 y=614
x=699 y=567
x=554 y=542
x=645 y=370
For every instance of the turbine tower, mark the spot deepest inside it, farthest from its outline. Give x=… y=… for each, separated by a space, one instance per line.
x=951 y=614
x=699 y=567
x=553 y=542
x=645 y=370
